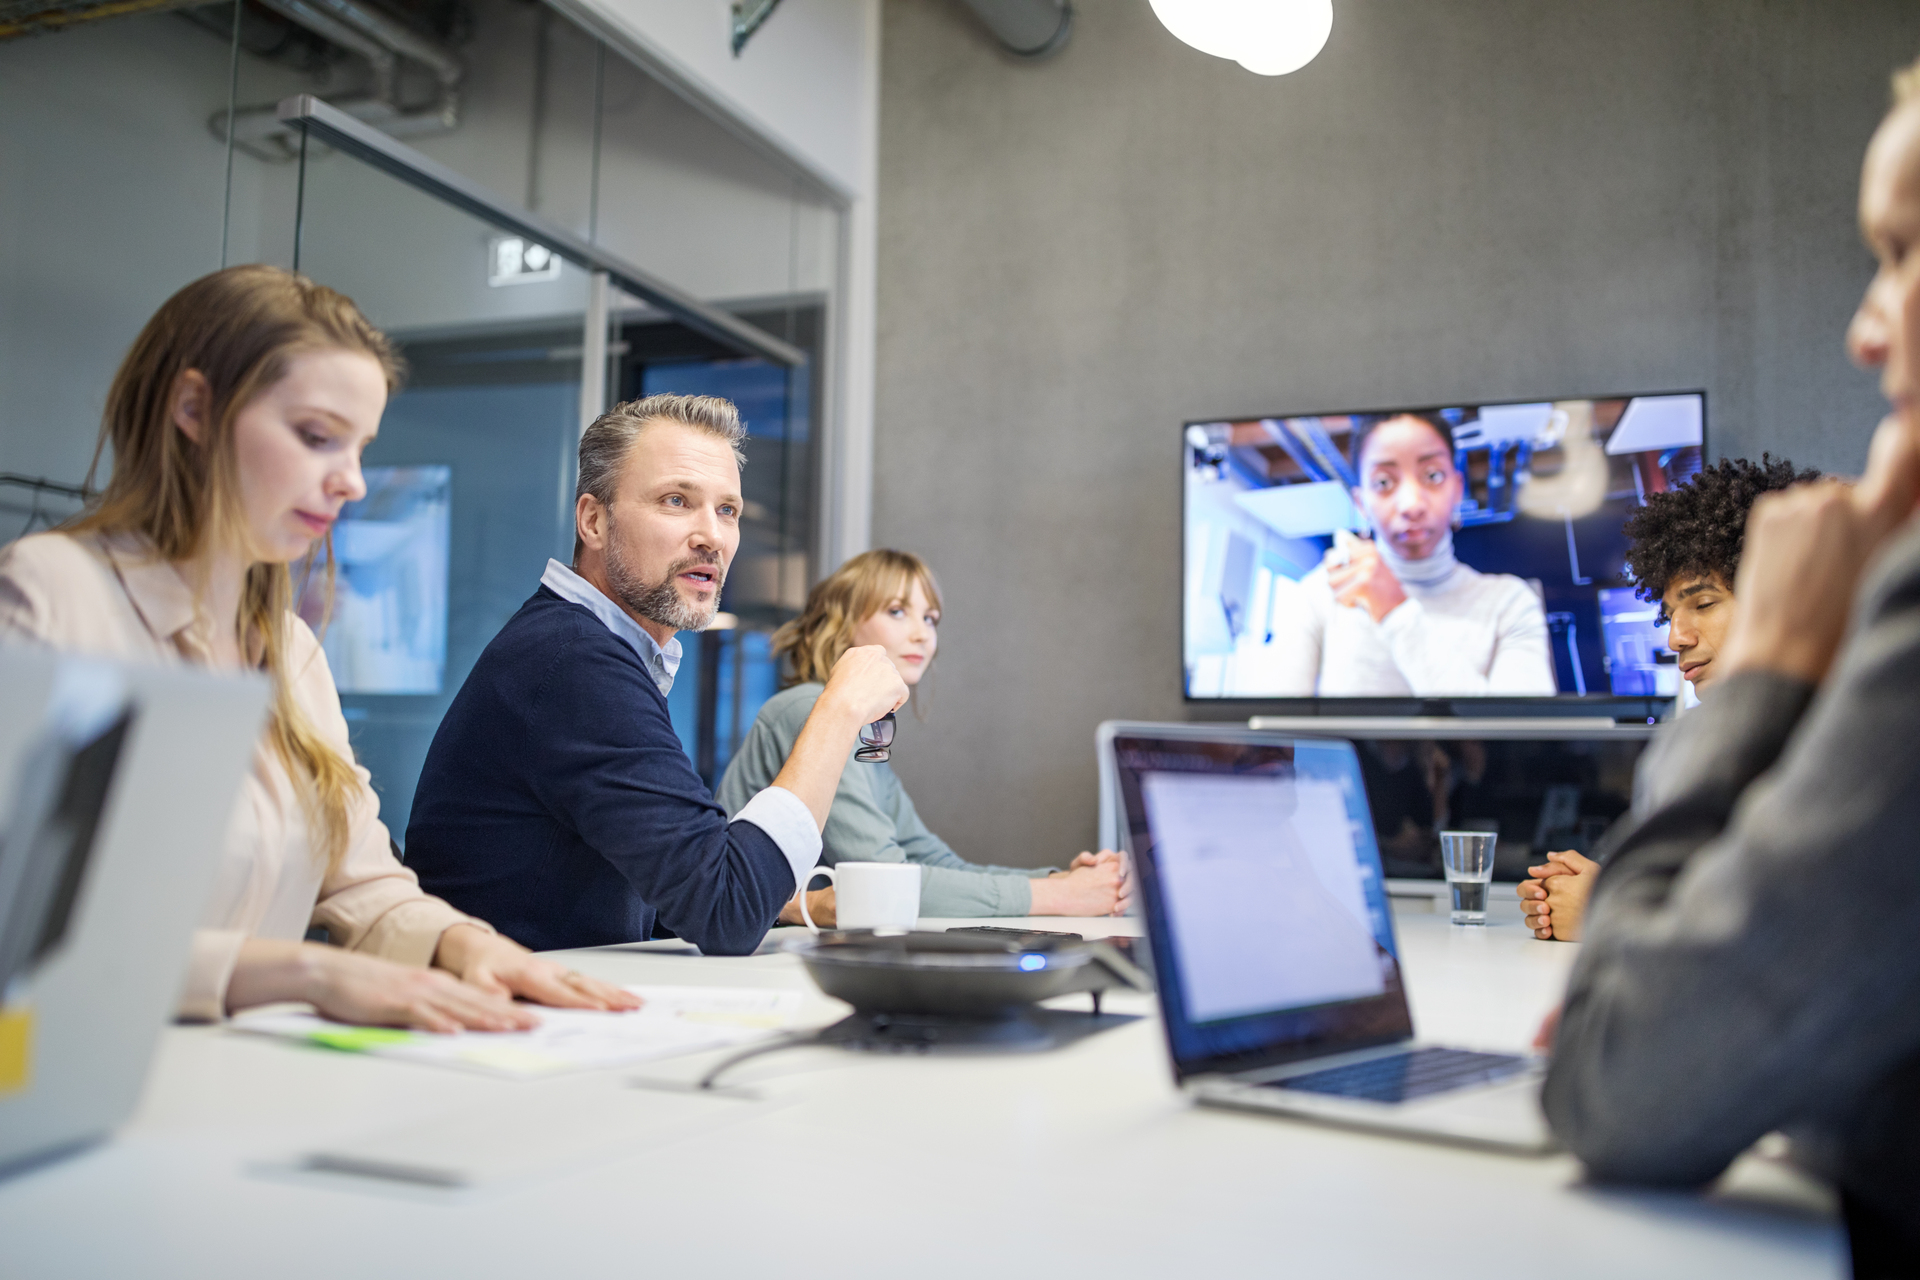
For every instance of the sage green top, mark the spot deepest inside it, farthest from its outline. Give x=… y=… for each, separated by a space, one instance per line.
x=873 y=819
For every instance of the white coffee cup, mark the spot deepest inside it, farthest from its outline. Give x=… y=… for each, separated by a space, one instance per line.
x=870 y=895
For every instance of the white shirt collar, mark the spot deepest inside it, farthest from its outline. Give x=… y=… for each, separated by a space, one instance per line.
x=661 y=661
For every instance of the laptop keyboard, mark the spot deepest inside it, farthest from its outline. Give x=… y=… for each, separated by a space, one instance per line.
x=1403 y=1077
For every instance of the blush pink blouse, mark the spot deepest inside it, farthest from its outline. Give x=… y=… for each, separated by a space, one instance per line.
x=110 y=597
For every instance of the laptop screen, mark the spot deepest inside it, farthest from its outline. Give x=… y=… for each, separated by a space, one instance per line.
x=1266 y=906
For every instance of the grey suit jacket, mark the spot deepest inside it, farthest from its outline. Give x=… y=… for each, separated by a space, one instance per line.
x=1752 y=955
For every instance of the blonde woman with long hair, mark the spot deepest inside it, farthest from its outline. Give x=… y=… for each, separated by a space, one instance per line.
x=236 y=424
x=890 y=598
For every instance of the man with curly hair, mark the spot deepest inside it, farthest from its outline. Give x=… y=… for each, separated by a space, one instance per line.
x=1684 y=550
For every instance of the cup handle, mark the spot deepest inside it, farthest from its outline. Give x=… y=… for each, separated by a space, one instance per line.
x=804 y=882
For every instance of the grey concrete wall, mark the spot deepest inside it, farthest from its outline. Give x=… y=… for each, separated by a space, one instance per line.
x=1460 y=200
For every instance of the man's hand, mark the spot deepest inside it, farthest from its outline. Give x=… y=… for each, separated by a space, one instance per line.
x=1364 y=581
x=820 y=903
x=1554 y=897
x=1533 y=901
x=1806 y=550
x=504 y=968
x=865 y=683
x=863 y=687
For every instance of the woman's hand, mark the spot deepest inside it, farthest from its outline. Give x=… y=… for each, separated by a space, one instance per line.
x=366 y=989
x=1364 y=580
x=1092 y=886
x=504 y=968
x=1549 y=1028
x=1806 y=550
x=1106 y=856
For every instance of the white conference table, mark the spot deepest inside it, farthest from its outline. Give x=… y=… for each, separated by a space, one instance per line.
x=1079 y=1161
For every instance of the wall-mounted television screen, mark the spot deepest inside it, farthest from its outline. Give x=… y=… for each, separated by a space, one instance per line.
x=1467 y=551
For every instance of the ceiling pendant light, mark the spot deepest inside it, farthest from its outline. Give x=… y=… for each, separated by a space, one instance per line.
x=1267 y=37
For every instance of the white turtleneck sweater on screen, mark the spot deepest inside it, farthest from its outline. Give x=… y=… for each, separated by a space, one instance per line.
x=1458 y=633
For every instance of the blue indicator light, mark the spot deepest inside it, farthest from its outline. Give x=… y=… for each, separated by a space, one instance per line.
x=1030 y=963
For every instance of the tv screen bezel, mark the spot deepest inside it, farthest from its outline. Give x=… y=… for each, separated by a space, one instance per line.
x=1635 y=707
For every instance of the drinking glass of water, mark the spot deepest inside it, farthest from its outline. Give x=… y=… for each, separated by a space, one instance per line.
x=1468 y=858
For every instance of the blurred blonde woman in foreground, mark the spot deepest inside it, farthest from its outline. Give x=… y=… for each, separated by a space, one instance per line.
x=1727 y=986
x=890 y=598
x=236 y=424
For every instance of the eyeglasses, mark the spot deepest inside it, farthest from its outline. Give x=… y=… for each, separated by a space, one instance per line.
x=876 y=740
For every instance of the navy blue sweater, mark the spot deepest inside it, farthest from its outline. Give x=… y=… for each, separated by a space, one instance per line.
x=557 y=805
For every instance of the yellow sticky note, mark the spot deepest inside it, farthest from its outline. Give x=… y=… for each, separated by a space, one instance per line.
x=16 y=1048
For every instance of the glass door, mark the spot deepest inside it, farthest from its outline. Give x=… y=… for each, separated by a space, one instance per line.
x=470 y=483
x=519 y=327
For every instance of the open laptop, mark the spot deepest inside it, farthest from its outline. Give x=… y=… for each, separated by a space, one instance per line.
x=117 y=784
x=1277 y=974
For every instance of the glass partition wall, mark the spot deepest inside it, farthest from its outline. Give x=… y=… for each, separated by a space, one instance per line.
x=113 y=195
x=520 y=329
x=564 y=232
x=489 y=418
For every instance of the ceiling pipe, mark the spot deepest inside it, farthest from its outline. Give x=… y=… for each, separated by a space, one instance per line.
x=399 y=38
x=383 y=43
x=354 y=39
x=1032 y=29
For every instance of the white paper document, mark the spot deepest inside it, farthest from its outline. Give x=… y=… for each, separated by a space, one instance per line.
x=674 y=1020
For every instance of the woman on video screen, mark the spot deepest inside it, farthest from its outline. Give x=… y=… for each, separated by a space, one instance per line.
x=1395 y=615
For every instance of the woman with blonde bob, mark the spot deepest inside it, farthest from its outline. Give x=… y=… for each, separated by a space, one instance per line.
x=890 y=598
x=236 y=424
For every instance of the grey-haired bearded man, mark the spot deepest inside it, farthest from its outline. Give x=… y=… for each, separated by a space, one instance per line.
x=556 y=790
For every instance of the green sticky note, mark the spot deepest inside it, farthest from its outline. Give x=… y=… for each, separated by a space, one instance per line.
x=359 y=1039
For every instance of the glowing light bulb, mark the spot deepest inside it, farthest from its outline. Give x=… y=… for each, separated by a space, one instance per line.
x=1207 y=25
x=1287 y=36
x=1267 y=37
